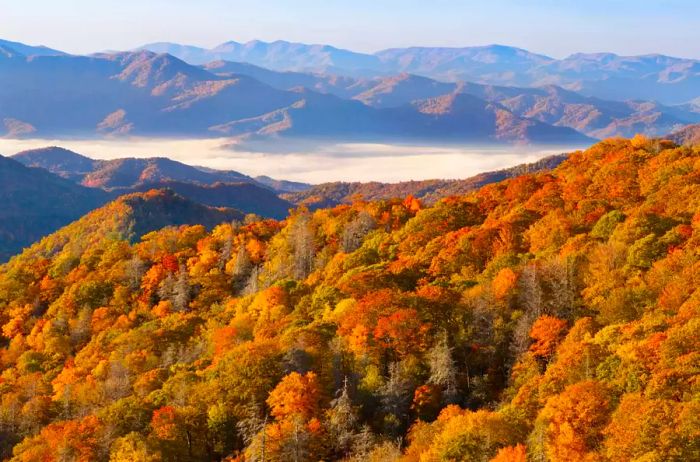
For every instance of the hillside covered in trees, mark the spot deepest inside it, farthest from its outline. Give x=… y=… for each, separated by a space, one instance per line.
x=427 y=191
x=552 y=316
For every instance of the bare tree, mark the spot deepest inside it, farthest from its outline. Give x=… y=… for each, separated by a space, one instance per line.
x=356 y=230
x=303 y=247
x=443 y=370
x=135 y=269
x=182 y=290
x=242 y=269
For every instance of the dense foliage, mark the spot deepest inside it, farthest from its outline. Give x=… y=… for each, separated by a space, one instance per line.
x=428 y=191
x=552 y=316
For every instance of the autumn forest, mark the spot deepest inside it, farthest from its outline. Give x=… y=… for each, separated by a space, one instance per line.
x=552 y=316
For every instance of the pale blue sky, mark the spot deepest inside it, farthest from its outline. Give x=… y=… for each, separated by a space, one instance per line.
x=553 y=27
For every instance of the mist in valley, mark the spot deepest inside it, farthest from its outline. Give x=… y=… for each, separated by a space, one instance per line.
x=310 y=161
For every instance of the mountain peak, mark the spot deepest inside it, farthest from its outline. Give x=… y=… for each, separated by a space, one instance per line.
x=58 y=160
x=29 y=50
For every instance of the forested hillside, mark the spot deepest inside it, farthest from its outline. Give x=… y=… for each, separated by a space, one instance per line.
x=33 y=203
x=553 y=316
x=428 y=191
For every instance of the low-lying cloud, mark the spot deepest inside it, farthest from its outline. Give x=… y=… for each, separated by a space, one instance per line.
x=309 y=162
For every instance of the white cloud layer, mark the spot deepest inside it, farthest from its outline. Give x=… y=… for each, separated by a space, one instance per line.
x=312 y=163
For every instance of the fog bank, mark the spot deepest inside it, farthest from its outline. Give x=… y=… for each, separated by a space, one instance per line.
x=313 y=163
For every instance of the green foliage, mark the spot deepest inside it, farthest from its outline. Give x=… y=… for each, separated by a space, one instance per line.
x=605 y=226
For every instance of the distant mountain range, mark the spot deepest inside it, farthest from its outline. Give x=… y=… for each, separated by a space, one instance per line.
x=132 y=172
x=121 y=173
x=666 y=79
x=305 y=93
x=143 y=93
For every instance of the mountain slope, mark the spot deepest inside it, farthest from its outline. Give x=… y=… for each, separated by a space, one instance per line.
x=665 y=79
x=495 y=64
x=687 y=135
x=458 y=115
x=549 y=104
x=338 y=85
x=59 y=161
x=451 y=118
x=36 y=203
x=156 y=209
x=246 y=197
x=130 y=172
x=29 y=50
x=218 y=188
x=282 y=186
x=125 y=93
x=122 y=173
x=129 y=217
x=428 y=191
x=550 y=316
x=157 y=94
x=402 y=89
x=604 y=75
x=145 y=93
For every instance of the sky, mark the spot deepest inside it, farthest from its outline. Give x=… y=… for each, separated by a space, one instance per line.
x=553 y=27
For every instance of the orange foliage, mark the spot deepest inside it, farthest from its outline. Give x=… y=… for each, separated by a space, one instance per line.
x=80 y=439
x=412 y=204
x=575 y=420
x=224 y=339
x=517 y=453
x=164 y=423
x=401 y=331
x=504 y=283
x=295 y=395
x=546 y=333
x=433 y=307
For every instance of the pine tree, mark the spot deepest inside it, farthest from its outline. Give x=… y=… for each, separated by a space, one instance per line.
x=395 y=397
x=363 y=443
x=342 y=422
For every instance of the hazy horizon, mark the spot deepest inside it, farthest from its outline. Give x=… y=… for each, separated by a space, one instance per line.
x=80 y=26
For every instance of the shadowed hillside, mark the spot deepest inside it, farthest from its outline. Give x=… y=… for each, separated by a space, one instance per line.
x=36 y=203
